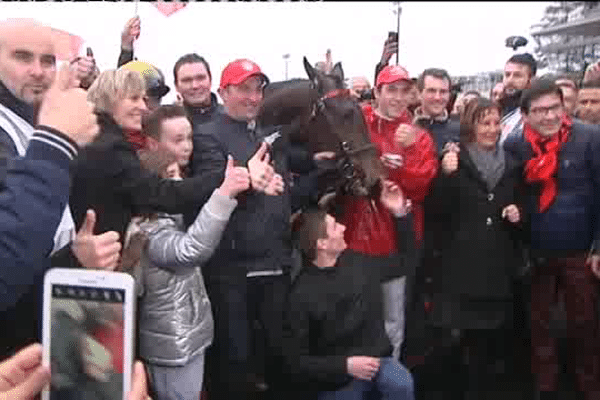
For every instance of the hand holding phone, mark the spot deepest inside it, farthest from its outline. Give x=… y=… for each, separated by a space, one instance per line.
x=392 y=161
x=88 y=329
x=390 y=47
x=22 y=376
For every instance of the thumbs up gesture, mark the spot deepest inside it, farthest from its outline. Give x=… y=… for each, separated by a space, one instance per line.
x=261 y=172
x=66 y=109
x=450 y=158
x=237 y=179
x=96 y=251
x=405 y=135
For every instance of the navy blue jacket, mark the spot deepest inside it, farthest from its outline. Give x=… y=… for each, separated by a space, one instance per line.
x=572 y=221
x=257 y=237
x=441 y=132
x=32 y=200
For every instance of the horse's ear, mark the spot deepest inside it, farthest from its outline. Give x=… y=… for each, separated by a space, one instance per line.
x=338 y=71
x=310 y=71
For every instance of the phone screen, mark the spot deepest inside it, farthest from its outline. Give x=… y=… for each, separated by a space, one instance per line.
x=87 y=338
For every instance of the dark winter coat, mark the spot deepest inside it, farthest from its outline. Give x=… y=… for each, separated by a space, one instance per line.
x=257 y=239
x=202 y=115
x=480 y=250
x=108 y=178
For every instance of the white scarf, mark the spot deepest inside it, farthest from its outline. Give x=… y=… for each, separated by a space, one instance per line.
x=20 y=131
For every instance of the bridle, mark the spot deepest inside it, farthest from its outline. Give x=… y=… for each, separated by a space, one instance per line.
x=347 y=151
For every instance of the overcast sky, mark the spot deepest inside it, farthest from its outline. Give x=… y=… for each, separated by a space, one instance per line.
x=463 y=37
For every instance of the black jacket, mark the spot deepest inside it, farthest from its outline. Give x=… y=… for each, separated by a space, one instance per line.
x=124 y=57
x=202 y=115
x=257 y=237
x=441 y=131
x=335 y=313
x=480 y=249
x=108 y=178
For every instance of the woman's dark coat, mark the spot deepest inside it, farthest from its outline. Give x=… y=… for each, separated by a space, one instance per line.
x=481 y=253
x=108 y=178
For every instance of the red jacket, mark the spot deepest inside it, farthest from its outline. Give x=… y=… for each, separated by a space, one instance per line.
x=370 y=228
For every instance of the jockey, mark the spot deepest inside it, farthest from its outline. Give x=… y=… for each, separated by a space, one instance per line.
x=409 y=156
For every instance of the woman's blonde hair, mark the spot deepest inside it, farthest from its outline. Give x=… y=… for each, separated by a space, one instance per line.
x=111 y=85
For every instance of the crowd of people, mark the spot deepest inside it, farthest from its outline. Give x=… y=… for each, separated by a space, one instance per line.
x=472 y=271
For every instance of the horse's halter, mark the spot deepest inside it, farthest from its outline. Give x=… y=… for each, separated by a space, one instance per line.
x=346 y=165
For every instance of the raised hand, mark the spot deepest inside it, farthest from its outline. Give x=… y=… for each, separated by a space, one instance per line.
x=390 y=47
x=130 y=33
x=450 y=162
x=66 y=109
x=592 y=72
x=237 y=180
x=276 y=186
x=96 y=251
x=85 y=69
x=394 y=199
x=511 y=213
x=405 y=135
x=261 y=171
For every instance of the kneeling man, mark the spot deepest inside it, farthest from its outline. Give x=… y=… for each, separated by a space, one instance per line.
x=336 y=344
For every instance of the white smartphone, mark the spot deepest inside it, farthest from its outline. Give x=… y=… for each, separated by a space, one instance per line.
x=88 y=329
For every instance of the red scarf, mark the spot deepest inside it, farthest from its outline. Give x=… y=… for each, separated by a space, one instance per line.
x=544 y=164
x=135 y=138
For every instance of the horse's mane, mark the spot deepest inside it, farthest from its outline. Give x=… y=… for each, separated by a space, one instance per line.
x=274 y=86
x=284 y=101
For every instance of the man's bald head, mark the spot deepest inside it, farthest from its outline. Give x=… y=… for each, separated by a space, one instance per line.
x=28 y=52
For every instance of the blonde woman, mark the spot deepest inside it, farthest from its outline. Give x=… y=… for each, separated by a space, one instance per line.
x=108 y=177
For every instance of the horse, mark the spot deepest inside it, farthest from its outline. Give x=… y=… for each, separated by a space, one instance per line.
x=320 y=111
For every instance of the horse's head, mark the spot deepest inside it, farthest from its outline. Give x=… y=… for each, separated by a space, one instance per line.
x=333 y=106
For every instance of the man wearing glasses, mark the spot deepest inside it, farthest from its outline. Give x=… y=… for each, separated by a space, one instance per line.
x=560 y=159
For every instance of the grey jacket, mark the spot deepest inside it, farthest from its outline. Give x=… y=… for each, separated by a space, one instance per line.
x=176 y=322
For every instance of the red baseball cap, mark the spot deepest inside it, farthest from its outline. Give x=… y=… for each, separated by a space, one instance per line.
x=391 y=74
x=238 y=71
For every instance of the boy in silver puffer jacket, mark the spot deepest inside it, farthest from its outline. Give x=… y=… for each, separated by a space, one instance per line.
x=175 y=321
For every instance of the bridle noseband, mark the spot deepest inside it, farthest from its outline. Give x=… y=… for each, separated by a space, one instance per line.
x=346 y=165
